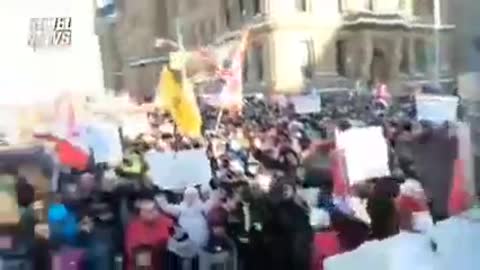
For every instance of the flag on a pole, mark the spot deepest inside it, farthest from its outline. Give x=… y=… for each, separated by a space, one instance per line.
x=232 y=93
x=337 y=167
x=382 y=95
x=66 y=117
x=460 y=200
x=180 y=102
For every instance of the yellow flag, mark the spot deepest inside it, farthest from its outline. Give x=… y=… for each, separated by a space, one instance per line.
x=180 y=102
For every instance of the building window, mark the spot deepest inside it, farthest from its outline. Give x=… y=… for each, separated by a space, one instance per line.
x=405 y=63
x=241 y=7
x=370 y=5
x=202 y=33
x=258 y=58
x=446 y=59
x=257 y=7
x=307 y=58
x=421 y=58
x=245 y=68
x=228 y=16
x=341 y=57
x=301 y=5
x=213 y=29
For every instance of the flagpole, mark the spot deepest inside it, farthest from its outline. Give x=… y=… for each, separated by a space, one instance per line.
x=181 y=48
x=219 y=119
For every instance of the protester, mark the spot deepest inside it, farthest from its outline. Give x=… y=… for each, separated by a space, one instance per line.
x=257 y=210
x=190 y=214
x=413 y=209
x=147 y=233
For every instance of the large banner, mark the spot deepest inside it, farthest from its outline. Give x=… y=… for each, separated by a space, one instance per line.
x=366 y=153
x=177 y=170
x=437 y=109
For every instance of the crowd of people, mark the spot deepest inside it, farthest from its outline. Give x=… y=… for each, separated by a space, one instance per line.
x=273 y=202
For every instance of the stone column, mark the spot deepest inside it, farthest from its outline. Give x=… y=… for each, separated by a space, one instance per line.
x=396 y=43
x=366 y=48
x=396 y=56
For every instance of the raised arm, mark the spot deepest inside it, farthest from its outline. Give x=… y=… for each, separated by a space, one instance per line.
x=171 y=209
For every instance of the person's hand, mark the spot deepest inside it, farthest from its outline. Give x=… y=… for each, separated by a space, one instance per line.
x=86 y=225
x=161 y=199
x=257 y=143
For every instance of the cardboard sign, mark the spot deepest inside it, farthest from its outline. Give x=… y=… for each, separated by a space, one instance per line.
x=366 y=153
x=306 y=104
x=437 y=109
x=177 y=170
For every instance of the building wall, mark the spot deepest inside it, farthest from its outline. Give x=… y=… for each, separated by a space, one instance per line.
x=131 y=36
x=467 y=54
x=282 y=31
x=468 y=61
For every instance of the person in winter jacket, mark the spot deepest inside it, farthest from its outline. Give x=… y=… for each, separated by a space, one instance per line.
x=191 y=214
x=149 y=229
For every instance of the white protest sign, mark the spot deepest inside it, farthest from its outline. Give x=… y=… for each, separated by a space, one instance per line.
x=9 y=129
x=103 y=139
x=464 y=233
x=400 y=252
x=436 y=108
x=177 y=170
x=306 y=104
x=366 y=153
x=135 y=125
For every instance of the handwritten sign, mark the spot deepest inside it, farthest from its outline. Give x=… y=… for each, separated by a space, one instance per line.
x=177 y=170
x=306 y=104
x=437 y=109
x=359 y=143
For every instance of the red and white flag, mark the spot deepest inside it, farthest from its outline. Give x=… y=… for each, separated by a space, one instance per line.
x=232 y=93
x=460 y=200
x=338 y=170
x=66 y=118
x=382 y=95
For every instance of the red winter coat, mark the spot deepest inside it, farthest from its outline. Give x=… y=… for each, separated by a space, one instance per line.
x=140 y=233
x=326 y=244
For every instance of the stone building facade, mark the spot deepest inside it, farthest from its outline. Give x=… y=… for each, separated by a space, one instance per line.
x=303 y=44
x=467 y=48
x=128 y=38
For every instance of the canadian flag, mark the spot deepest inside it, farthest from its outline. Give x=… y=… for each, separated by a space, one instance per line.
x=460 y=200
x=232 y=93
